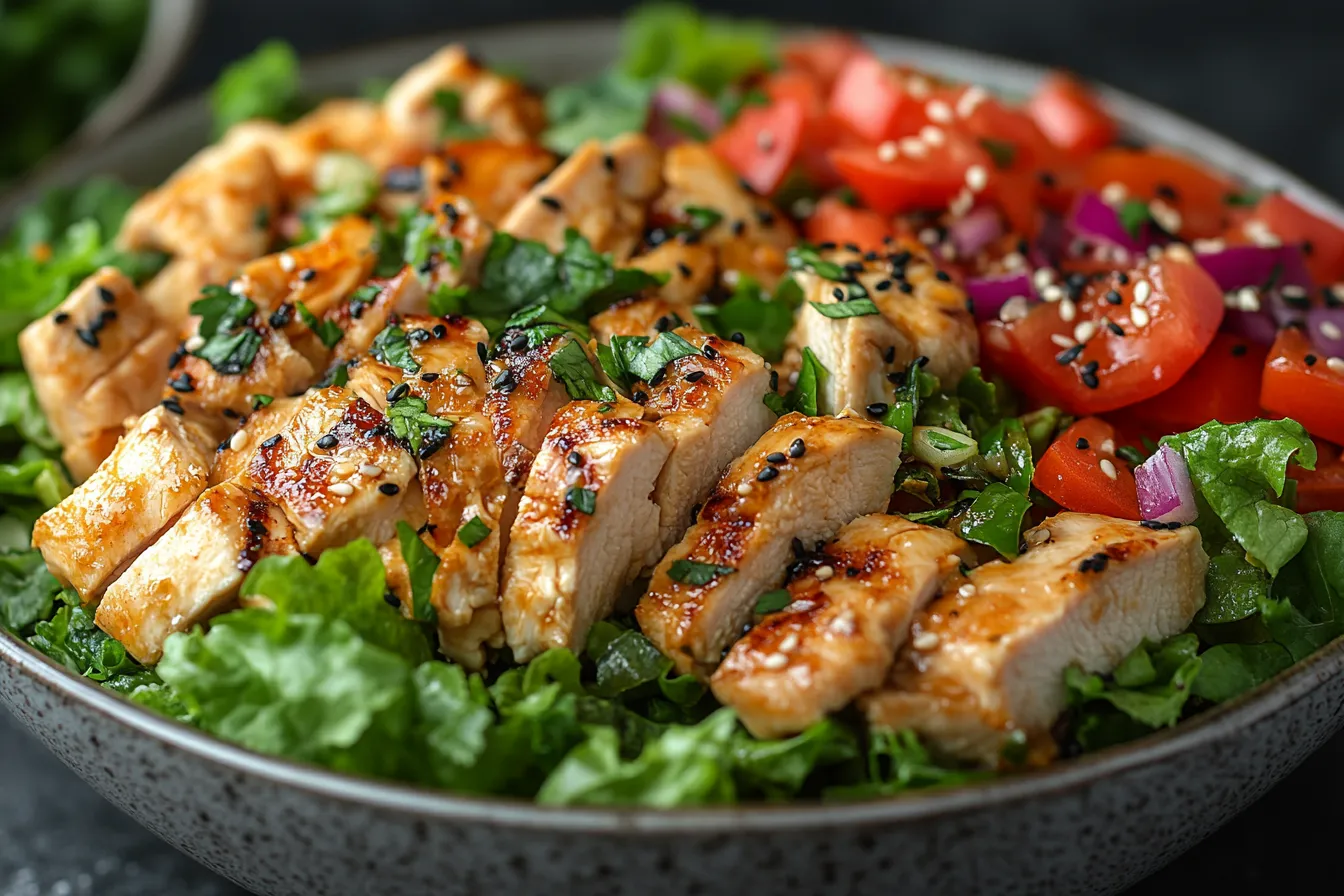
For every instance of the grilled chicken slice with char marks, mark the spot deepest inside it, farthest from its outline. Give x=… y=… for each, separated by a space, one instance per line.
x=221 y=204
x=709 y=406
x=455 y=219
x=95 y=360
x=832 y=470
x=600 y=190
x=235 y=452
x=638 y=317
x=156 y=470
x=931 y=320
x=585 y=527
x=369 y=312
x=511 y=112
x=194 y=570
x=750 y=239
x=335 y=470
x=987 y=662
x=850 y=609
x=490 y=174
x=523 y=398
x=220 y=397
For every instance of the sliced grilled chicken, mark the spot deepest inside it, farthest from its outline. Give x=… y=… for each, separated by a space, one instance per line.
x=585 y=528
x=689 y=267
x=156 y=470
x=987 y=661
x=638 y=317
x=750 y=238
x=600 y=190
x=456 y=219
x=221 y=204
x=491 y=174
x=94 y=361
x=523 y=399
x=194 y=570
x=172 y=290
x=335 y=470
x=364 y=316
x=851 y=606
x=709 y=407
x=505 y=106
x=235 y=452
x=222 y=396
x=804 y=479
x=930 y=320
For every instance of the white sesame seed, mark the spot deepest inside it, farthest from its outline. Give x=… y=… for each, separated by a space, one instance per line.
x=344 y=489
x=968 y=101
x=1013 y=261
x=1336 y=365
x=730 y=277
x=1166 y=217
x=194 y=343
x=1067 y=310
x=1037 y=536
x=1330 y=329
x=237 y=287
x=1042 y=277
x=803 y=207
x=1179 y=252
x=775 y=661
x=825 y=572
x=1204 y=247
x=1108 y=468
x=1337 y=290
x=744 y=488
x=1084 y=331
x=1248 y=299
x=799 y=606
x=1293 y=291
x=765 y=140
x=790 y=643
x=917 y=87
x=961 y=204
x=843 y=623
x=343 y=469
x=1143 y=291
x=370 y=470
x=932 y=135
x=977 y=178
x=287 y=262
x=966 y=590
x=928 y=236
x=1061 y=340
x=913 y=146
x=887 y=151
x=1015 y=308
x=1139 y=316
x=1114 y=193
x=1154 y=252
x=925 y=641
x=938 y=111
x=462 y=380
x=1107 y=446
x=238 y=441
x=1052 y=292
x=947 y=252
x=1260 y=234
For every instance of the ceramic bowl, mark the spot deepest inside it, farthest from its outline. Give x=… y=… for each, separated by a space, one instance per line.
x=1092 y=825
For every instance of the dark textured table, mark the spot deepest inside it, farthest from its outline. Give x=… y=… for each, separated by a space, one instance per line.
x=1267 y=75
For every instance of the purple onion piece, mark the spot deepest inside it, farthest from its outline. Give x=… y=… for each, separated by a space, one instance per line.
x=989 y=294
x=1166 y=493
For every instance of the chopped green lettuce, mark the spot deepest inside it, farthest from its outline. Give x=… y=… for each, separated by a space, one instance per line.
x=264 y=84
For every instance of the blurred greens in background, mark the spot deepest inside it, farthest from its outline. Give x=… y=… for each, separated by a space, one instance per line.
x=58 y=59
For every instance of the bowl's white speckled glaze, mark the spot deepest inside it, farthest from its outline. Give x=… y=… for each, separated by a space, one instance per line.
x=1092 y=825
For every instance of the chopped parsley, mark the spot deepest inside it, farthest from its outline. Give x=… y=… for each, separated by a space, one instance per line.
x=392 y=347
x=421 y=564
x=1133 y=215
x=693 y=572
x=701 y=217
x=327 y=330
x=230 y=345
x=582 y=499
x=762 y=319
x=260 y=401
x=454 y=126
x=414 y=425
x=848 y=308
x=1001 y=151
x=773 y=601
x=571 y=366
x=473 y=532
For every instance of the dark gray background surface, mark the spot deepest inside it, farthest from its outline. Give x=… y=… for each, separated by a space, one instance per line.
x=1266 y=74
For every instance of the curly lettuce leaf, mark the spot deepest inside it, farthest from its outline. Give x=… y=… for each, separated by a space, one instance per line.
x=27 y=590
x=1147 y=691
x=672 y=40
x=264 y=84
x=898 y=762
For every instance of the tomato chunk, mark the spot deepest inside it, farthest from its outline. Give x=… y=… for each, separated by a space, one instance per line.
x=1224 y=385
x=1194 y=192
x=835 y=222
x=1323 y=242
x=870 y=98
x=1127 y=337
x=762 y=143
x=1302 y=384
x=901 y=182
x=1069 y=113
x=1081 y=472
x=822 y=57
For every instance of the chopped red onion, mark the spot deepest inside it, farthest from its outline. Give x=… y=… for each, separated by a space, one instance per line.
x=989 y=294
x=975 y=231
x=1237 y=266
x=674 y=102
x=1092 y=219
x=1257 y=326
x=1326 y=327
x=1165 y=491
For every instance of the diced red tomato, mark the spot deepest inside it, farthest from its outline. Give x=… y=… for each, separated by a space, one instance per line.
x=821 y=131
x=1071 y=116
x=1076 y=472
x=835 y=222
x=822 y=57
x=869 y=97
x=1190 y=189
x=798 y=86
x=762 y=143
x=1323 y=487
x=908 y=182
x=1301 y=384
x=1160 y=338
x=1322 y=240
x=1224 y=385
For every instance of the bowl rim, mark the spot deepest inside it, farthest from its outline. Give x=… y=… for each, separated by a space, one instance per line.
x=1221 y=722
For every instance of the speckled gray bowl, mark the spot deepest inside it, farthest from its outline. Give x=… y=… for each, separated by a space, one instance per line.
x=1092 y=825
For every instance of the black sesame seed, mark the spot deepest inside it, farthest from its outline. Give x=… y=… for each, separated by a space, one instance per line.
x=574 y=458
x=739 y=227
x=775 y=457
x=684 y=269
x=418 y=335
x=900 y=259
x=327 y=442
x=440 y=331
x=398 y=392
x=877 y=408
x=173 y=405
x=664 y=323
x=391 y=599
x=517 y=342
x=695 y=376
x=639 y=396
x=889 y=354
x=1090 y=379
x=389 y=488
x=552 y=203
x=1082 y=444
x=826 y=246
x=1311 y=360
x=839 y=294
x=481 y=351
x=307 y=274
x=882 y=285
x=689 y=237
x=60 y=317
x=922 y=361
x=231 y=414
x=504 y=382
x=710 y=352
x=1114 y=327
x=609 y=161
x=797 y=449
x=450 y=211
x=657 y=378
x=176 y=357
x=428 y=377
x=905 y=287
x=106 y=295
x=774 y=380
x=281 y=316
x=1113 y=297
x=944 y=276
x=765 y=217
x=86 y=336
x=271 y=442
x=852 y=572
x=896 y=377
x=767 y=474
x=181 y=383
x=1122 y=278
x=738 y=338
